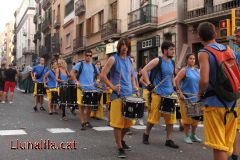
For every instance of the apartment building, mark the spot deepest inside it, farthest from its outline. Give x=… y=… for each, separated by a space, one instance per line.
x=197 y=11
x=25 y=32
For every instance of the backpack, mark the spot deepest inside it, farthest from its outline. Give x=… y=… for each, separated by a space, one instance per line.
x=81 y=68
x=158 y=69
x=227 y=85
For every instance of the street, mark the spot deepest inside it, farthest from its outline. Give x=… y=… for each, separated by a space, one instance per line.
x=19 y=124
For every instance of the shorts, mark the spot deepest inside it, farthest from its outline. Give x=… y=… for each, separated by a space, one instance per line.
x=216 y=134
x=49 y=94
x=116 y=118
x=146 y=97
x=184 y=117
x=2 y=83
x=9 y=85
x=35 y=90
x=154 y=114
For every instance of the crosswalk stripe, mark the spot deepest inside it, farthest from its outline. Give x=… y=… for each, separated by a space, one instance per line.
x=103 y=128
x=12 y=132
x=60 y=130
x=177 y=125
x=138 y=127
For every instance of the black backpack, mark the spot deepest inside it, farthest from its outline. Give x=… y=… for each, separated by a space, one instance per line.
x=158 y=69
x=81 y=68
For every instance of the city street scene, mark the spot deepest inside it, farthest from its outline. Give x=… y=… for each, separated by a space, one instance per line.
x=120 y=79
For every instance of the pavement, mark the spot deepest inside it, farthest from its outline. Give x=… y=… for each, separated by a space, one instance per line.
x=20 y=126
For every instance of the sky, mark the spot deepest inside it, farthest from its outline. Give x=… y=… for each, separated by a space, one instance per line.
x=7 y=9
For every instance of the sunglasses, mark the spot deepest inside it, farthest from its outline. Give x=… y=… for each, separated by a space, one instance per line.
x=87 y=55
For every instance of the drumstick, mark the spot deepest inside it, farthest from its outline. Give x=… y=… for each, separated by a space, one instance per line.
x=120 y=76
x=191 y=94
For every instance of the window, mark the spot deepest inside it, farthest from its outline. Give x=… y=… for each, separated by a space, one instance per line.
x=101 y=19
x=68 y=40
x=114 y=10
x=89 y=26
x=69 y=7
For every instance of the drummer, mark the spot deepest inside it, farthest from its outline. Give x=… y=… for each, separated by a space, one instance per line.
x=164 y=76
x=86 y=74
x=38 y=73
x=99 y=114
x=62 y=76
x=187 y=85
x=121 y=69
x=51 y=84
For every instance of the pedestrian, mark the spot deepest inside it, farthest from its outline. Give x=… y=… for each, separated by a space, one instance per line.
x=2 y=80
x=162 y=77
x=123 y=80
x=187 y=85
x=219 y=99
x=10 y=82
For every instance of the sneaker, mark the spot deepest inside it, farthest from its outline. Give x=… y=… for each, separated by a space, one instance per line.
x=121 y=153
x=194 y=138
x=88 y=124
x=42 y=109
x=171 y=144
x=181 y=128
x=140 y=121
x=3 y=102
x=83 y=127
x=64 y=118
x=10 y=102
x=145 y=139
x=125 y=146
x=35 y=109
x=188 y=140
x=50 y=113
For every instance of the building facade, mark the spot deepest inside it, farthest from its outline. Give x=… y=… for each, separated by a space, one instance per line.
x=25 y=32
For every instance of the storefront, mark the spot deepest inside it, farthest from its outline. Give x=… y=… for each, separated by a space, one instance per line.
x=147 y=50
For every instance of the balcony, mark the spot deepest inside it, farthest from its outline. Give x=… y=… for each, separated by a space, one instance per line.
x=79 y=43
x=35 y=39
x=55 y=43
x=46 y=4
x=111 y=29
x=35 y=19
x=209 y=12
x=46 y=25
x=57 y=22
x=143 y=19
x=79 y=7
x=28 y=50
x=38 y=35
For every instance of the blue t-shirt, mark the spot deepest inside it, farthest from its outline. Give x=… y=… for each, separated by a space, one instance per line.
x=121 y=71
x=189 y=83
x=63 y=77
x=38 y=70
x=213 y=100
x=86 y=78
x=136 y=78
x=52 y=82
x=166 y=74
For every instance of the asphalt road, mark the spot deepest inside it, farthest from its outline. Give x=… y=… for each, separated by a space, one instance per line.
x=19 y=123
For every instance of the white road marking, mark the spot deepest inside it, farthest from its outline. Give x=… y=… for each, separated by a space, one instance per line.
x=104 y=128
x=138 y=127
x=177 y=125
x=12 y=132
x=60 y=130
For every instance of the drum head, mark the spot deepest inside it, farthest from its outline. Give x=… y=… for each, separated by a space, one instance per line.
x=134 y=99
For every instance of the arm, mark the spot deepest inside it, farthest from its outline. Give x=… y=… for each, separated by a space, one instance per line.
x=204 y=72
x=45 y=79
x=147 y=68
x=33 y=75
x=142 y=81
x=57 y=76
x=105 y=71
x=135 y=84
x=178 y=79
x=73 y=76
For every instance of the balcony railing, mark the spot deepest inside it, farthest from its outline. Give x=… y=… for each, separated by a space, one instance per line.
x=55 y=43
x=143 y=15
x=80 y=7
x=79 y=43
x=111 y=29
x=211 y=11
x=38 y=35
x=46 y=25
x=28 y=50
x=46 y=4
x=57 y=22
